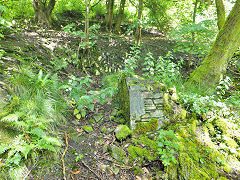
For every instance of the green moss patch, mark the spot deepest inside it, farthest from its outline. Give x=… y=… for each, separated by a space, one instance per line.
x=122 y=132
x=143 y=128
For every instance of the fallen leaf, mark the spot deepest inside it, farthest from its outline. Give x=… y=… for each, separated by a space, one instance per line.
x=138 y=178
x=145 y=170
x=75 y=172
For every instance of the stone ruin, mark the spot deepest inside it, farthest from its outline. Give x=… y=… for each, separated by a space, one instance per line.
x=142 y=100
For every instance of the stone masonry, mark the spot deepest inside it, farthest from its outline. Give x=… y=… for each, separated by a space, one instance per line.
x=146 y=101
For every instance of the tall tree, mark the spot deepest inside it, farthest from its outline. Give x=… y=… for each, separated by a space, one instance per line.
x=138 y=34
x=43 y=10
x=120 y=16
x=208 y=74
x=220 y=13
x=109 y=14
x=193 y=33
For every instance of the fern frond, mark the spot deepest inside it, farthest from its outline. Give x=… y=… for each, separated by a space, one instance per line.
x=48 y=147
x=52 y=140
x=4 y=148
x=11 y=118
x=38 y=132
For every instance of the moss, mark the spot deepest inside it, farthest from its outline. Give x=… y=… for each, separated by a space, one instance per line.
x=118 y=154
x=211 y=129
x=193 y=126
x=183 y=114
x=221 y=124
x=230 y=142
x=87 y=129
x=222 y=178
x=119 y=120
x=152 y=144
x=111 y=80
x=189 y=169
x=140 y=154
x=123 y=95
x=143 y=128
x=122 y=132
x=166 y=104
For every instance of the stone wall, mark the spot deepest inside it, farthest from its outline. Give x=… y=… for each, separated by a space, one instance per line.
x=145 y=101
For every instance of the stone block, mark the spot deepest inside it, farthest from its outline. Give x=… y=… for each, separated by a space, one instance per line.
x=150 y=107
x=157 y=95
x=158 y=101
x=149 y=102
x=147 y=95
x=157 y=114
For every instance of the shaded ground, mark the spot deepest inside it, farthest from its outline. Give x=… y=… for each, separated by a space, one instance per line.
x=39 y=48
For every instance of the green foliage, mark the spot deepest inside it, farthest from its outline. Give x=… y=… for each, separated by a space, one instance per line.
x=82 y=98
x=163 y=70
x=38 y=109
x=193 y=38
x=85 y=43
x=78 y=156
x=131 y=61
x=167 y=143
x=158 y=15
x=223 y=87
x=25 y=146
x=39 y=99
x=17 y=9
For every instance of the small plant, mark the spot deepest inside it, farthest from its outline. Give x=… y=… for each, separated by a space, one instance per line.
x=78 y=156
x=82 y=97
x=131 y=61
x=167 y=143
x=223 y=87
x=163 y=69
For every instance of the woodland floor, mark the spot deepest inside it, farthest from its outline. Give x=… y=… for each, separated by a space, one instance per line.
x=37 y=47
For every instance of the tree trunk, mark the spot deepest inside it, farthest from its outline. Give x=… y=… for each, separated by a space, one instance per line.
x=43 y=11
x=139 y=29
x=87 y=3
x=120 y=16
x=209 y=73
x=109 y=14
x=193 y=35
x=220 y=13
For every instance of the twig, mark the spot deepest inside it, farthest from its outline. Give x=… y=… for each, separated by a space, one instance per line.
x=91 y=169
x=62 y=158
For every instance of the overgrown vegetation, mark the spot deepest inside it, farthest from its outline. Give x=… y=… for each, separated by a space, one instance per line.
x=64 y=95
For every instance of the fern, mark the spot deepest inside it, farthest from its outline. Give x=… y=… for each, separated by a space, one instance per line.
x=38 y=132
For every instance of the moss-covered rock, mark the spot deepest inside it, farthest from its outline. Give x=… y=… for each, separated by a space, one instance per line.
x=143 y=128
x=122 y=132
x=139 y=154
x=118 y=154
